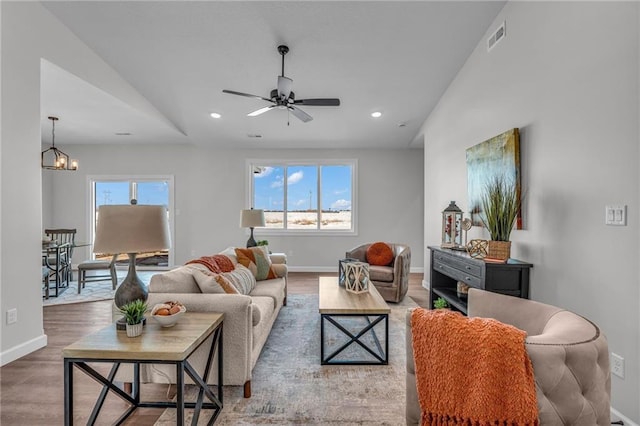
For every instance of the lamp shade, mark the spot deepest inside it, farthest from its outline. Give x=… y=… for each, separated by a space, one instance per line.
x=131 y=229
x=251 y=218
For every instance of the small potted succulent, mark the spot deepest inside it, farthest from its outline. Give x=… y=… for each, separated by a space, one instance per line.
x=134 y=315
x=440 y=303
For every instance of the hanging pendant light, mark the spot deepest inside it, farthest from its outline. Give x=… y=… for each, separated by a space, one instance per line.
x=53 y=158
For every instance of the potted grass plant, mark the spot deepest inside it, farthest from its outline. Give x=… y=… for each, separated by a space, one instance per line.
x=134 y=315
x=500 y=207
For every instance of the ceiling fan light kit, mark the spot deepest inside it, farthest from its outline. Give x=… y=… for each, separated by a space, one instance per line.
x=283 y=97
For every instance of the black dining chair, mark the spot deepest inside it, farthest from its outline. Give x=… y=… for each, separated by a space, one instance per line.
x=59 y=254
x=97 y=265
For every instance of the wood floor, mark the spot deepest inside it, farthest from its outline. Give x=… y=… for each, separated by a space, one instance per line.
x=31 y=388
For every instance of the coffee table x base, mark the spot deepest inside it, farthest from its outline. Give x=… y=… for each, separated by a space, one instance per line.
x=381 y=355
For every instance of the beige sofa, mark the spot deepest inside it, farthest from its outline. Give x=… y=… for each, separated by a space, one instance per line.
x=392 y=282
x=569 y=354
x=246 y=327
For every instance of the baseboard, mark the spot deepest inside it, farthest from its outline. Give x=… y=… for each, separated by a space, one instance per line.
x=616 y=415
x=23 y=349
x=416 y=270
x=426 y=285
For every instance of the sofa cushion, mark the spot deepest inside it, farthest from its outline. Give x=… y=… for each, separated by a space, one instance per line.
x=270 y=288
x=381 y=273
x=210 y=282
x=230 y=252
x=257 y=260
x=379 y=254
x=179 y=280
x=240 y=278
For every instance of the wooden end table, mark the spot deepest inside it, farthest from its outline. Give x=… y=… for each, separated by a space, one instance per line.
x=336 y=302
x=156 y=345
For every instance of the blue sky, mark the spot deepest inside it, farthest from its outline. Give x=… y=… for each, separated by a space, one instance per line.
x=156 y=193
x=302 y=188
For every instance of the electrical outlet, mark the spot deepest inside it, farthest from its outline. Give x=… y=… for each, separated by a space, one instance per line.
x=617 y=365
x=12 y=316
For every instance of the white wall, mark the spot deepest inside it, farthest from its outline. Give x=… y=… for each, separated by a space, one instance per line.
x=210 y=192
x=30 y=33
x=567 y=75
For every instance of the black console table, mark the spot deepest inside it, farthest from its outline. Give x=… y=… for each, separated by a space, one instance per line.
x=450 y=266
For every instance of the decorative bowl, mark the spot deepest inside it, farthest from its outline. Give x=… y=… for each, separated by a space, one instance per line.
x=167 y=320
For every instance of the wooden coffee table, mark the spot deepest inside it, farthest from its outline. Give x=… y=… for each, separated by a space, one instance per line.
x=156 y=345
x=336 y=303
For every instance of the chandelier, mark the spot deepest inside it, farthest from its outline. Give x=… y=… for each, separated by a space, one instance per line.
x=53 y=158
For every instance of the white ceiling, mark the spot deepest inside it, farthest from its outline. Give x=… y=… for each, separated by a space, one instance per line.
x=394 y=57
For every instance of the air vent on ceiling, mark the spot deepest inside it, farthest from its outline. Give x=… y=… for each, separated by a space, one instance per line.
x=497 y=35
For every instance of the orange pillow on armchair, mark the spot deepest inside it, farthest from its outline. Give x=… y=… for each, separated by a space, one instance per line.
x=379 y=254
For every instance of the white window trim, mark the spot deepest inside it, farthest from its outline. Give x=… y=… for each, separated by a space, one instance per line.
x=250 y=162
x=171 y=207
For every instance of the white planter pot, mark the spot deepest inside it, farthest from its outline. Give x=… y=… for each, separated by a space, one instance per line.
x=134 y=330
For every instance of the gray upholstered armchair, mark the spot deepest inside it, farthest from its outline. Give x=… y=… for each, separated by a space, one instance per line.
x=392 y=282
x=569 y=353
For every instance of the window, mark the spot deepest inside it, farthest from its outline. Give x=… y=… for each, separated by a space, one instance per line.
x=107 y=190
x=303 y=196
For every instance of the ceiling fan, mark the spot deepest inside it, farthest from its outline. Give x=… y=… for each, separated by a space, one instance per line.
x=284 y=98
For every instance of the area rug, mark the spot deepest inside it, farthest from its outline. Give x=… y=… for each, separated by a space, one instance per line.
x=291 y=387
x=92 y=291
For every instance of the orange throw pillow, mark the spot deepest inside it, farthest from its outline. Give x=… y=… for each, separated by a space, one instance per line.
x=379 y=254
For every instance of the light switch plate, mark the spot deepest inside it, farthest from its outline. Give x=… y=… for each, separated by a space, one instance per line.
x=616 y=215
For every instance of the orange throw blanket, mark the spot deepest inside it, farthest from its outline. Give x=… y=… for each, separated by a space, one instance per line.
x=472 y=371
x=217 y=263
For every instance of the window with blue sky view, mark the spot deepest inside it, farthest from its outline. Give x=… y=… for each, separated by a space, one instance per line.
x=304 y=196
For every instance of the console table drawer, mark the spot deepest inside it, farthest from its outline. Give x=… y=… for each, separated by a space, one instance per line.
x=462 y=265
x=457 y=274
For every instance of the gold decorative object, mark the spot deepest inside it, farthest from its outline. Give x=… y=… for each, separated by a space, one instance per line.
x=466 y=224
x=478 y=249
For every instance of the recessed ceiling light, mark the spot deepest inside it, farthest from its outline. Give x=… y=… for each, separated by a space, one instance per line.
x=376 y=114
x=123 y=134
x=254 y=135
x=215 y=115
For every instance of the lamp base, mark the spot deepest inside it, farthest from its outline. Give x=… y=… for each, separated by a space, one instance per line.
x=251 y=242
x=131 y=288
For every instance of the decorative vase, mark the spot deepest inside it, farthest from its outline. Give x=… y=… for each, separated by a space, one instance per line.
x=134 y=330
x=356 y=277
x=500 y=250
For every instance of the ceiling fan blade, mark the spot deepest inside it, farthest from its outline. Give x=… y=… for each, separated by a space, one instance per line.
x=260 y=111
x=246 y=94
x=284 y=87
x=303 y=116
x=318 y=102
